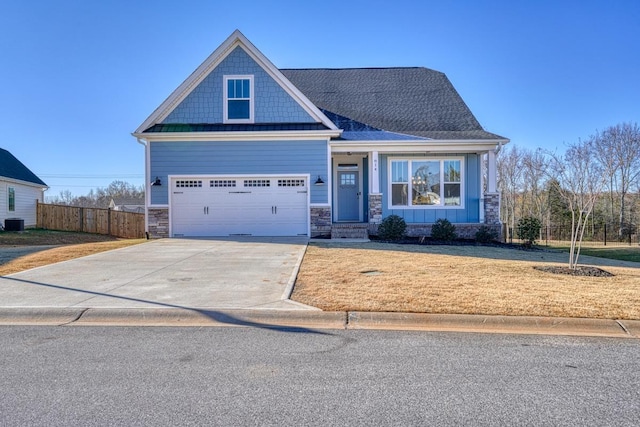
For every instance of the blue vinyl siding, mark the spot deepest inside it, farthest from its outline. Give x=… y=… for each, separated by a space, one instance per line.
x=472 y=192
x=237 y=158
x=271 y=103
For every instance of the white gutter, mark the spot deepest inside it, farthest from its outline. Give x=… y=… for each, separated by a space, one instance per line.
x=412 y=146
x=147 y=195
x=232 y=136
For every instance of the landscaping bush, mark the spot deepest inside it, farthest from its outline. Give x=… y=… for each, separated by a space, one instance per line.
x=528 y=230
x=392 y=227
x=443 y=230
x=486 y=235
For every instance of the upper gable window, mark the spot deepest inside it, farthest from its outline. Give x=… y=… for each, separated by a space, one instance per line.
x=238 y=99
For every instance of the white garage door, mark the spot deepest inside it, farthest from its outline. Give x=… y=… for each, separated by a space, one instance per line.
x=223 y=206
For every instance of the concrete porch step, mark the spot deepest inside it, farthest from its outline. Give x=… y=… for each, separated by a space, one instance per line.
x=350 y=231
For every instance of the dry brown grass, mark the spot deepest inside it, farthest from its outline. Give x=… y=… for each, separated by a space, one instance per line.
x=44 y=255
x=461 y=279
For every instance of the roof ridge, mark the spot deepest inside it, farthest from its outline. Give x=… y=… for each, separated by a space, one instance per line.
x=357 y=68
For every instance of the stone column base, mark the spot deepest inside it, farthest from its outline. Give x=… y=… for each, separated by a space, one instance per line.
x=158 y=223
x=375 y=208
x=320 y=220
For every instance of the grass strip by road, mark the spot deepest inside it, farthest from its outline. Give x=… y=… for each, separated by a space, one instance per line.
x=461 y=280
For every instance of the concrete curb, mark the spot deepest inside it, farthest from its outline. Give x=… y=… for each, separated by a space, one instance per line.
x=631 y=326
x=211 y=317
x=39 y=315
x=172 y=317
x=310 y=320
x=491 y=324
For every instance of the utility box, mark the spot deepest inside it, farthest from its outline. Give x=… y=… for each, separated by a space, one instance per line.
x=14 y=224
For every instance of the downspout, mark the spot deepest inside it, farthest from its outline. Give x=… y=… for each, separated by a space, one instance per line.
x=147 y=195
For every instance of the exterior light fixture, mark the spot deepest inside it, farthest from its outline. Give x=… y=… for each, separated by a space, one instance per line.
x=319 y=181
x=157 y=181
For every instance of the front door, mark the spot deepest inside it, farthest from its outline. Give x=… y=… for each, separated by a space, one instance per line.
x=348 y=196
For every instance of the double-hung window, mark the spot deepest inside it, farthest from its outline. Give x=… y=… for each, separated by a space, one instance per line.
x=238 y=99
x=426 y=182
x=12 y=199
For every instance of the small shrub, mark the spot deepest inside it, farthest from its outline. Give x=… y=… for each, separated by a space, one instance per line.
x=486 y=235
x=528 y=230
x=443 y=230
x=392 y=227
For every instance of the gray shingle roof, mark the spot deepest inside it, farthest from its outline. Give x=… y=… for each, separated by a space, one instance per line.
x=414 y=101
x=10 y=167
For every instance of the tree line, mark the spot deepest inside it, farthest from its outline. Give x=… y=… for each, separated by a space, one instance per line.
x=596 y=181
x=101 y=197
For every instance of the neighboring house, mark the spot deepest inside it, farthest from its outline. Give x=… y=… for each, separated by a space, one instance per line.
x=244 y=148
x=20 y=190
x=127 y=204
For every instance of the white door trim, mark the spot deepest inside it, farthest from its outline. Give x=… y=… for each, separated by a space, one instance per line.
x=336 y=160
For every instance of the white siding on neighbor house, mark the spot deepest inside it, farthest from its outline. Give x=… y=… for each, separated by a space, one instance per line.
x=26 y=205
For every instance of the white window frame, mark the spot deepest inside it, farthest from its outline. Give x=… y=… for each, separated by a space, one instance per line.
x=11 y=199
x=225 y=105
x=410 y=161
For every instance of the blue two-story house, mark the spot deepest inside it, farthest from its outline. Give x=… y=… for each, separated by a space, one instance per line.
x=244 y=148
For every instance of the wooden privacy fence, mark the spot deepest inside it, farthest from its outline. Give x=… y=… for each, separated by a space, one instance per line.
x=127 y=225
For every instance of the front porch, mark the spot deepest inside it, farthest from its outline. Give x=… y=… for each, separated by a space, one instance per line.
x=358 y=184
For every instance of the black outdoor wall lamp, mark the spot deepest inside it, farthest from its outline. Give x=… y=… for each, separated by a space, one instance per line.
x=157 y=181
x=319 y=181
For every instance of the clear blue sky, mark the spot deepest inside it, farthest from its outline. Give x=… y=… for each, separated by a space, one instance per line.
x=78 y=76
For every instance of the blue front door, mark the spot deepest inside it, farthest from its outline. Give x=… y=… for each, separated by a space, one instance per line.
x=348 y=196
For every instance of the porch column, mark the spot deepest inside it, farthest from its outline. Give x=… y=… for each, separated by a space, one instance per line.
x=375 y=174
x=491 y=202
x=375 y=198
x=491 y=172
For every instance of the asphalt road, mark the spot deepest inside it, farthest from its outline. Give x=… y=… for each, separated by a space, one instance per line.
x=254 y=376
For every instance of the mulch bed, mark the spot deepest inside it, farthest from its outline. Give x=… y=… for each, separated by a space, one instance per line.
x=580 y=270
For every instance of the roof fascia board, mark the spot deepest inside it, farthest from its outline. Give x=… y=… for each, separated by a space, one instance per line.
x=234 y=40
x=236 y=136
x=409 y=146
x=21 y=182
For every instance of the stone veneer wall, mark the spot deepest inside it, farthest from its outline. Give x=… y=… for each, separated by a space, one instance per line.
x=375 y=208
x=492 y=208
x=320 y=220
x=158 y=223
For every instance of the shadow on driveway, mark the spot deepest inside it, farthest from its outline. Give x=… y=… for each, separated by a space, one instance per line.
x=217 y=316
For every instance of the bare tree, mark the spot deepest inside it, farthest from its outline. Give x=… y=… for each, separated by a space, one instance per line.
x=101 y=197
x=534 y=170
x=509 y=165
x=579 y=183
x=618 y=150
x=65 y=197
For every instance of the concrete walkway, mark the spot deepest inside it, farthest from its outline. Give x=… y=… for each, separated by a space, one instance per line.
x=238 y=273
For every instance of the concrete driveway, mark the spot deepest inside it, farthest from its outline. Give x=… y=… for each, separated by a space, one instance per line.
x=221 y=273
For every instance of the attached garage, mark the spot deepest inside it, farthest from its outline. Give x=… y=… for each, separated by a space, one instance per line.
x=275 y=205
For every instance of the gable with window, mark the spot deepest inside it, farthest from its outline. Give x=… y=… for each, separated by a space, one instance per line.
x=424 y=183
x=238 y=99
